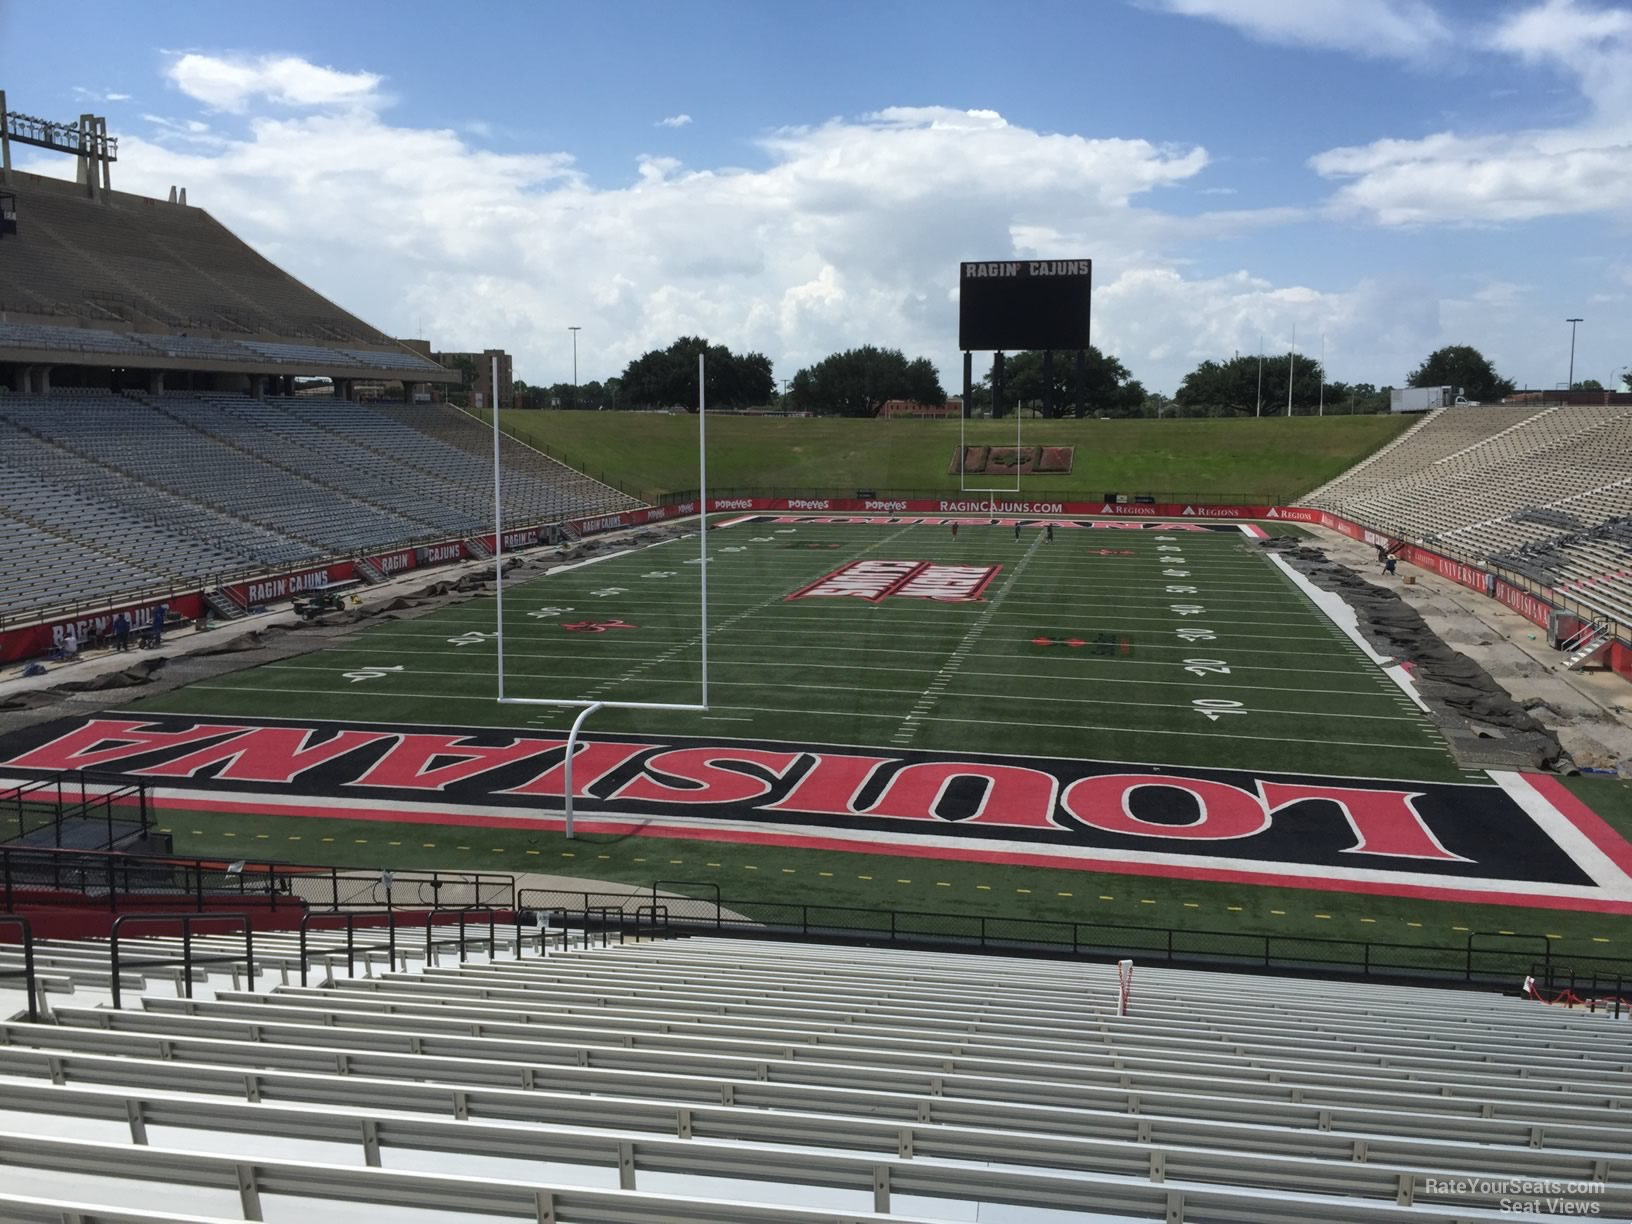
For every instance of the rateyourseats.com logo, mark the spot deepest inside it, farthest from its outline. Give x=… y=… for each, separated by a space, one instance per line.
x=1525 y=1196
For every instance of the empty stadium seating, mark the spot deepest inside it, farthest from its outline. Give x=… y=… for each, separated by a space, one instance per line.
x=715 y=1081
x=107 y=495
x=1546 y=492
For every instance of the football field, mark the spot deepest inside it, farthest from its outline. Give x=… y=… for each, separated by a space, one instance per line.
x=1185 y=646
x=1145 y=723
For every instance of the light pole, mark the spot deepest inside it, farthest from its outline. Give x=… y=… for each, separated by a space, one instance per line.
x=1260 y=411
x=1572 y=323
x=1322 y=373
x=1291 y=368
x=574 y=329
x=1615 y=377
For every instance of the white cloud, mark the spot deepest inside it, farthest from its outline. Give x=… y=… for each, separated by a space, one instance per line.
x=232 y=83
x=1383 y=29
x=1493 y=178
x=850 y=232
x=675 y=121
x=99 y=95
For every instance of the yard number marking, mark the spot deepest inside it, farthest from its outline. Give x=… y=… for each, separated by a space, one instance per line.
x=605 y=591
x=1175 y=573
x=1181 y=590
x=1197 y=635
x=545 y=613
x=370 y=673
x=660 y=574
x=1215 y=707
x=1187 y=609
x=473 y=638
x=1202 y=667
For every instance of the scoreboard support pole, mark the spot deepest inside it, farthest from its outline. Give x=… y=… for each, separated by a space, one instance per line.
x=1081 y=387
x=968 y=389
x=1048 y=384
x=997 y=384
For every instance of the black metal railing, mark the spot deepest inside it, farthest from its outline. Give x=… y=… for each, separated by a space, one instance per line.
x=389 y=921
x=1483 y=959
x=1586 y=986
x=42 y=878
x=186 y=959
x=81 y=809
x=25 y=971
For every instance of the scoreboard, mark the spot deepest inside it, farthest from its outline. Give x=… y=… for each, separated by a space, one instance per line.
x=1010 y=305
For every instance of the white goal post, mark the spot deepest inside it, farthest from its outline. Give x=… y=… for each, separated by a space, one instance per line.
x=584 y=705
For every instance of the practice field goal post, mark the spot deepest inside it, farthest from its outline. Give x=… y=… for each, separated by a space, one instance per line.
x=1124 y=985
x=587 y=706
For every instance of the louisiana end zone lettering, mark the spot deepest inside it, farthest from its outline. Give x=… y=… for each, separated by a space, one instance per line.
x=1507 y=842
x=1012 y=305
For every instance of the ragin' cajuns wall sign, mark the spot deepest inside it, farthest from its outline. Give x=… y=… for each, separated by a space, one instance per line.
x=1522 y=839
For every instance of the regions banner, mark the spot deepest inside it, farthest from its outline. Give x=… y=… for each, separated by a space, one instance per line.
x=1522 y=839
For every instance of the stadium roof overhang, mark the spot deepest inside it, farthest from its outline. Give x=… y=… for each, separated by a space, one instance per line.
x=159 y=361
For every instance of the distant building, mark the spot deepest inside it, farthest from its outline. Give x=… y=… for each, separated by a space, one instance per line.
x=911 y=408
x=1590 y=398
x=477 y=369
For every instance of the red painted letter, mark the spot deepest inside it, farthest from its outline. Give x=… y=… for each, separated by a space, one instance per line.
x=79 y=748
x=1384 y=821
x=592 y=762
x=831 y=786
x=1016 y=796
x=266 y=754
x=409 y=763
x=710 y=783
x=1222 y=811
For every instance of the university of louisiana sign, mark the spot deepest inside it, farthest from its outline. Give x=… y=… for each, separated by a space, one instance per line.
x=1523 y=839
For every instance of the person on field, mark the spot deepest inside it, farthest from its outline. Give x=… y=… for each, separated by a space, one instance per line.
x=1017 y=532
x=954 y=531
x=1388 y=566
x=1050 y=535
x=121 y=632
x=70 y=644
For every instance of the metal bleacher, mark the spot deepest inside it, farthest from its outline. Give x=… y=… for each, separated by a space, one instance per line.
x=1545 y=492
x=723 y=1080
x=104 y=494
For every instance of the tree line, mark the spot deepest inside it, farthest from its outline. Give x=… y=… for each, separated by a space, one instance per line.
x=858 y=382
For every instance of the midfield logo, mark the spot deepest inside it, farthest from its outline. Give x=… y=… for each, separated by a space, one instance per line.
x=878 y=580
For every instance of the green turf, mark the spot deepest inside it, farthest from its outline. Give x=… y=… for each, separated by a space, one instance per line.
x=849 y=672
x=1217 y=459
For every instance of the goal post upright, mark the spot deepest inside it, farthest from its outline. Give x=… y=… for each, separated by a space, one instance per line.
x=588 y=706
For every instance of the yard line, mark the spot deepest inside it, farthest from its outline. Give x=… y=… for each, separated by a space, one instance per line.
x=638 y=671
x=851 y=714
x=909 y=727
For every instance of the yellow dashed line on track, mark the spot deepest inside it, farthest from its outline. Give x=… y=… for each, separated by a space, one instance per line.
x=676 y=862
x=1599 y=939
x=1327 y=916
x=1103 y=897
x=1413 y=924
x=1191 y=905
x=1147 y=901
x=1457 y=928
x=328 y=839
x=1279 y=913
x=1062 y=894
x=359 y=841
x=573 y=854
x=1550 y=935
x=749 y=867
x=787 y=871
x=427 y=845
x=235 y=835
x=860 y=877
x=607 y=856
x=903 y=881
x=984 y=887
x=942 y=884
x=461 y=847
x=535 y=852
x=1234 y=909
x=1368 y=920
x=264 y=836
x=828 y=874
x=393 y=843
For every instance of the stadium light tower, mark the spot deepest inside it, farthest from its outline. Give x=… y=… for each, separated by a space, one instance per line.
x=574 y=329
x=1572 y=322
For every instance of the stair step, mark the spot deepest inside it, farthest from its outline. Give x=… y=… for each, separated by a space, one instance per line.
x=224 y=606
x=368 y=572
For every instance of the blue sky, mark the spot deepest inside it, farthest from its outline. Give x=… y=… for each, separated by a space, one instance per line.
x=1391 y=174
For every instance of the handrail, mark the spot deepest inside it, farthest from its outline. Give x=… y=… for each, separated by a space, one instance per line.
x=30 y=983
x=188 y=960
x=1474 y=962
